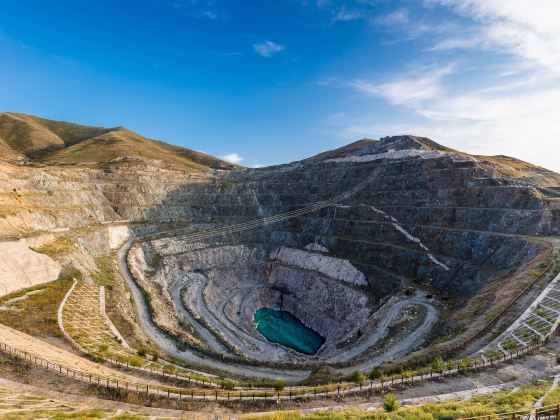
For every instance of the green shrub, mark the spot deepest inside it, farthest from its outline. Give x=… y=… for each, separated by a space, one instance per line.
x=438 y=364
x=390 y=403
x=228 y=384
x=279 y=385
x=357 y=377
x=374 y=374
x=464 y=365
x=135 y=361
x=142 y=352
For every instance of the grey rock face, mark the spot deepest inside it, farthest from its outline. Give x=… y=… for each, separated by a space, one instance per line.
x=432 y=218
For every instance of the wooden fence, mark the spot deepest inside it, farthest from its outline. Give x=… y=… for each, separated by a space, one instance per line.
x=291 y=393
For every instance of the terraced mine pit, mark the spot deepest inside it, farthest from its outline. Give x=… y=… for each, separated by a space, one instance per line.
x=348 y=243
x=219 y=289
x=379 y=252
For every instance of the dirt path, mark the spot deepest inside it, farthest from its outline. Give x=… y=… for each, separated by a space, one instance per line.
x=84 y=402
x=507 y=376
x=40 y=348
x=405 y=346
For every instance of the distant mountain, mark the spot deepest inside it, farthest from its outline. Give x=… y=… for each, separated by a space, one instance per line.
x=28 y=137
x=504 y=166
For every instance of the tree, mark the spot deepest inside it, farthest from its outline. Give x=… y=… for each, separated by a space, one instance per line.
x=374 y=374
x=228 y=384
x=358 y=377
x=390 y=403
x=464 y=365
x=279 y=385
x=438 y=364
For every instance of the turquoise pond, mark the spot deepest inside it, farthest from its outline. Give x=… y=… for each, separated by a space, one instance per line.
x=283 y=328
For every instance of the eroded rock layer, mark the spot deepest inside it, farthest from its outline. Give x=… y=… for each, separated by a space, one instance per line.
x=437 y=220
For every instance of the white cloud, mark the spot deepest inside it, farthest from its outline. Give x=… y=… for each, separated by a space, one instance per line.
x=344 y=15
x=397 y=17
x=267 y=48
x=410 y=89
x=526 y=129
x=232 y=158
x=529 y=31
x=503 y=99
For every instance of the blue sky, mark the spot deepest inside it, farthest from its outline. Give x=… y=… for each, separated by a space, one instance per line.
x=272 y=81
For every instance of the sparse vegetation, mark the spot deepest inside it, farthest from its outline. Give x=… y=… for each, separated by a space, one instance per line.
x=374 y=374
x=390 y=403
x=104 y=275
x=357 y=377
x=36 y=312
x=438 y=364
x=279 y=385
x=505 y=401
x=62 y=245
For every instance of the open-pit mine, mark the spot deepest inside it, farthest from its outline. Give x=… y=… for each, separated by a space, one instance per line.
x=160 y=264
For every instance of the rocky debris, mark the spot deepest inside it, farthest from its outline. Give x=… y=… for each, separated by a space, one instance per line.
x=314 y=246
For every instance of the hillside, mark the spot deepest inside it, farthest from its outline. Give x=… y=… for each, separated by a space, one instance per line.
x=63 y=143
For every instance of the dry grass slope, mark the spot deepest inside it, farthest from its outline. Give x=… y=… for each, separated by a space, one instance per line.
x=59 y=142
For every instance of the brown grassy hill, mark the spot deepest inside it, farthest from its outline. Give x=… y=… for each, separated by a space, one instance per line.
x=25 y=136
x=60 y=142
x=357 y=145
x=518 y=169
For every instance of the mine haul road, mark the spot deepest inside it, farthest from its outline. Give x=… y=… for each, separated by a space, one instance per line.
x=409 y=343
x=169 y=346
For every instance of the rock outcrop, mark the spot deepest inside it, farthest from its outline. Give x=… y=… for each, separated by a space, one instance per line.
x=434 y=219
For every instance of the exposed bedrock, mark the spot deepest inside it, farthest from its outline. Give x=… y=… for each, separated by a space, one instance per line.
x=438 y=220
x=222 y=287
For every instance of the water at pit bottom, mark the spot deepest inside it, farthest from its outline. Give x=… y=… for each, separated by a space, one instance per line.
x=283 y=328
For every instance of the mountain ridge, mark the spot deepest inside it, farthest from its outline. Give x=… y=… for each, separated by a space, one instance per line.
x=35 y=139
